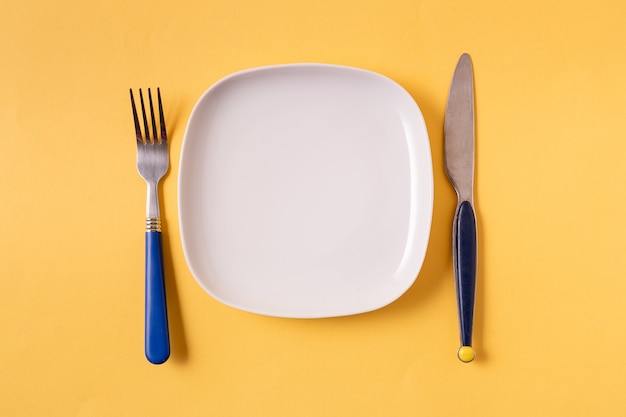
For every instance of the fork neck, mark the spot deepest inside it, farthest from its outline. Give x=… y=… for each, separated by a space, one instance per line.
x=153 y=213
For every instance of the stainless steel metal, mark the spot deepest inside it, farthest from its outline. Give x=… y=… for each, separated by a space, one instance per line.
x=152 y=156
x=459 y=130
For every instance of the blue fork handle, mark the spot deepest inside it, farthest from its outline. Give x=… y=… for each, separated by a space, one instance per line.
x=157 y=341
x=464 y=244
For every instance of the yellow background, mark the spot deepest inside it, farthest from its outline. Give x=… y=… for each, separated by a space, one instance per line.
x=551 y=142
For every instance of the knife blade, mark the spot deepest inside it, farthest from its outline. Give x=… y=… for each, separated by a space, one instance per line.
x=459 y=162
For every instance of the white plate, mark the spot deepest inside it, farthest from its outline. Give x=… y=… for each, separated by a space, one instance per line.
x=305 y=191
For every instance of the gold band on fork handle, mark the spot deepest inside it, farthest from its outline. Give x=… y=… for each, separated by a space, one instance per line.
x=153 y=224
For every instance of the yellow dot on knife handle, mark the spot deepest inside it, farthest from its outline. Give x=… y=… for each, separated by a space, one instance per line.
x=466 y=354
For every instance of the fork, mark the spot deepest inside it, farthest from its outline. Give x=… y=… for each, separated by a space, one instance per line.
x=152 y=164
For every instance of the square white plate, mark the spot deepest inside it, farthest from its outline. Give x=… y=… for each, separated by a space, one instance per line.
x=305 y=191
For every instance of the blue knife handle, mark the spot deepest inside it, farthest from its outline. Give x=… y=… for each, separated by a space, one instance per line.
x=157 y=339
x=464 y=248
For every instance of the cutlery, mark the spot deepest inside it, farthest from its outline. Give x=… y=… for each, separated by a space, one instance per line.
x=459 y=161
x=152 y=164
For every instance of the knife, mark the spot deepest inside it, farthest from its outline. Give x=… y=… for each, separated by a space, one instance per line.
x=459 y=161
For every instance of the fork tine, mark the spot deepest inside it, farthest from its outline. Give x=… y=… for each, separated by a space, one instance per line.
x=161 y=118
x=155 y=137
x=136 y=119
x=145 y=119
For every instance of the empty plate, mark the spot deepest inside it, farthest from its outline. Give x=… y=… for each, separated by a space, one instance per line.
x=305 y=191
